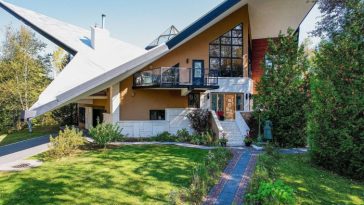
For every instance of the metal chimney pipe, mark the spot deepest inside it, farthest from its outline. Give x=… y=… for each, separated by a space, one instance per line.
x=103 y=21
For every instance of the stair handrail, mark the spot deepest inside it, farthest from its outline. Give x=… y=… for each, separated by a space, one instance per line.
x=242 y=125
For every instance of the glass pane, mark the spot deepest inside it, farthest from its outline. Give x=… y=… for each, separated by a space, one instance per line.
x=237 y=51
x=225 y=40
x=214 y=63
x=227 y=34
x=216 y=41
x=237 y=34
x=225 y=51
x=214 y=51
x=237 y=41
x=220 y=102
x=239 y=27
x=225 y=70
x=214 y=101
x=237 y=67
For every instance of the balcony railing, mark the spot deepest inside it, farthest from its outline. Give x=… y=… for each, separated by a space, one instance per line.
x=176 y=77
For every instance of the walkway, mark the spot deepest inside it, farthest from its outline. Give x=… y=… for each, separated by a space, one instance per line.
x=235 y=179
x=23 y=150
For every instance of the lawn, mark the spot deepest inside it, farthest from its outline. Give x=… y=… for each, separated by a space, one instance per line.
x=314 y=185
x=24 y=135
x=125 y=175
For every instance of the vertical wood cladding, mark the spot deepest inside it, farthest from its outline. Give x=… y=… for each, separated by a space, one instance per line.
x=260 y=47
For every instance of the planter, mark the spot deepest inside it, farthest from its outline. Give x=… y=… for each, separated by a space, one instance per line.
x=221 y=118
x=223 y=144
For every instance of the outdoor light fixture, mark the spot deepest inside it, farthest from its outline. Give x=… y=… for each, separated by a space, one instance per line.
x=187 y=60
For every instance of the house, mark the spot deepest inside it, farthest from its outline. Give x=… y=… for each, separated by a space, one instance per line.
x=213 y=64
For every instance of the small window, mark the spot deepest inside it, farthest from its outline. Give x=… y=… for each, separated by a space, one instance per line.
x=194 y=100
x=81 y=115
x=240 y=102
x=157 y=115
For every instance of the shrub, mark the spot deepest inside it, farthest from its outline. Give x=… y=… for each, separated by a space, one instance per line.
x=199 y=120
x=105 y=133
x=273 y=193
x=204 y=176
x=183 y=135
x=67 y=142
x=164 y=137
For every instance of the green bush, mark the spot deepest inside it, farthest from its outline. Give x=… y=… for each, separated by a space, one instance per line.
x=67 y=143
x=204 y=177
x=183 y=135
x=105 y=133
x=199 y=120
x=164 y=137
x=274 y=193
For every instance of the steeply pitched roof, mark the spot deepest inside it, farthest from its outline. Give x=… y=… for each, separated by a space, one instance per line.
x=92 y=70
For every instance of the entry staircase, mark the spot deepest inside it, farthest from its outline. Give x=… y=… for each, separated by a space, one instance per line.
x=235 y=130
x=233 y=135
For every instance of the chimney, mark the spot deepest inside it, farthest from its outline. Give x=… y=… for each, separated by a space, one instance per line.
x=103 y=18
x=99 y=36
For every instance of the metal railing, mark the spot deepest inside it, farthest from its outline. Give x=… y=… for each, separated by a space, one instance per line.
x=174 y=77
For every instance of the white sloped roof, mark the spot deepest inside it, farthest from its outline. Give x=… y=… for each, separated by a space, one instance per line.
x=87 y=64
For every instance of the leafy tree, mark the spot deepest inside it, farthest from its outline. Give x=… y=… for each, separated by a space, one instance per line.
x=23 y=73
x=59 y=60
x=282 y=91
x=336 y=119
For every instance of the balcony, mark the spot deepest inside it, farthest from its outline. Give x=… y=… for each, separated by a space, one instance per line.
x=176 y=77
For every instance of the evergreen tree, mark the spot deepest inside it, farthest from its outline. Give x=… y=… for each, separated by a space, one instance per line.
x=336 y=119
x=282 y=91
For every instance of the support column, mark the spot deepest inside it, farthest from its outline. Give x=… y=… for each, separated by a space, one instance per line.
x=115 y=102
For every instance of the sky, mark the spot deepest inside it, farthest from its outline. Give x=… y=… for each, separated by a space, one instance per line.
x=135 y=21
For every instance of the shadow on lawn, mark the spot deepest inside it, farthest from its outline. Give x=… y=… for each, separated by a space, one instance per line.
x=317 y=186
x=105 y=177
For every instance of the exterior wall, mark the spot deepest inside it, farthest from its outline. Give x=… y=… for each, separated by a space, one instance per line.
x=175 y=120
x=135 y=104
x=198 y=47
x=259 y=49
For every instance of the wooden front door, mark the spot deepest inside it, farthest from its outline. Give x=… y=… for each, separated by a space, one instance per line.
x=229 y=106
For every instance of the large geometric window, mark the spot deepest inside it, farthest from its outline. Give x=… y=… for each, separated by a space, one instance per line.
x=226 y=53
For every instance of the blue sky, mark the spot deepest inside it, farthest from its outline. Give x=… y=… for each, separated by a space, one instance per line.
x=134 y=21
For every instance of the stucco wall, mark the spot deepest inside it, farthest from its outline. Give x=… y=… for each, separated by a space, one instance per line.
x=135 y=104
x=198 y=47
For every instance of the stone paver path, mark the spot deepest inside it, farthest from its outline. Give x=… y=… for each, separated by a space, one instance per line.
x=234 y=181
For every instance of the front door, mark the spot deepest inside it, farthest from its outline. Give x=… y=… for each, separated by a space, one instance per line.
x=229 y=106
x=198 y=72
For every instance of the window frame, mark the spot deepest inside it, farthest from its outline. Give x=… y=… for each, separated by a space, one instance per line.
x=160 y=111
x=231 y=70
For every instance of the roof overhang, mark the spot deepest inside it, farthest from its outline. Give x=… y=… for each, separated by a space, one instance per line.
x=267 y=18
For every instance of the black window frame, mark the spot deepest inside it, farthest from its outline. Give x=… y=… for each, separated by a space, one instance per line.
x=161 y=113
x=196 y=97
x=232 y=72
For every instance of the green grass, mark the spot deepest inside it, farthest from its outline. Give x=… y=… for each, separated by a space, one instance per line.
x=24 y=134
x=125 y=175
x=314 y=185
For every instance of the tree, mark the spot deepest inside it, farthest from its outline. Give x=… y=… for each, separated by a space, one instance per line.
x=59 y=60
x=336 y=119
x=282 y=91
x=23 y=73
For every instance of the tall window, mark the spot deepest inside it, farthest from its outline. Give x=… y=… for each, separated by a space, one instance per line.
x=226 y=53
